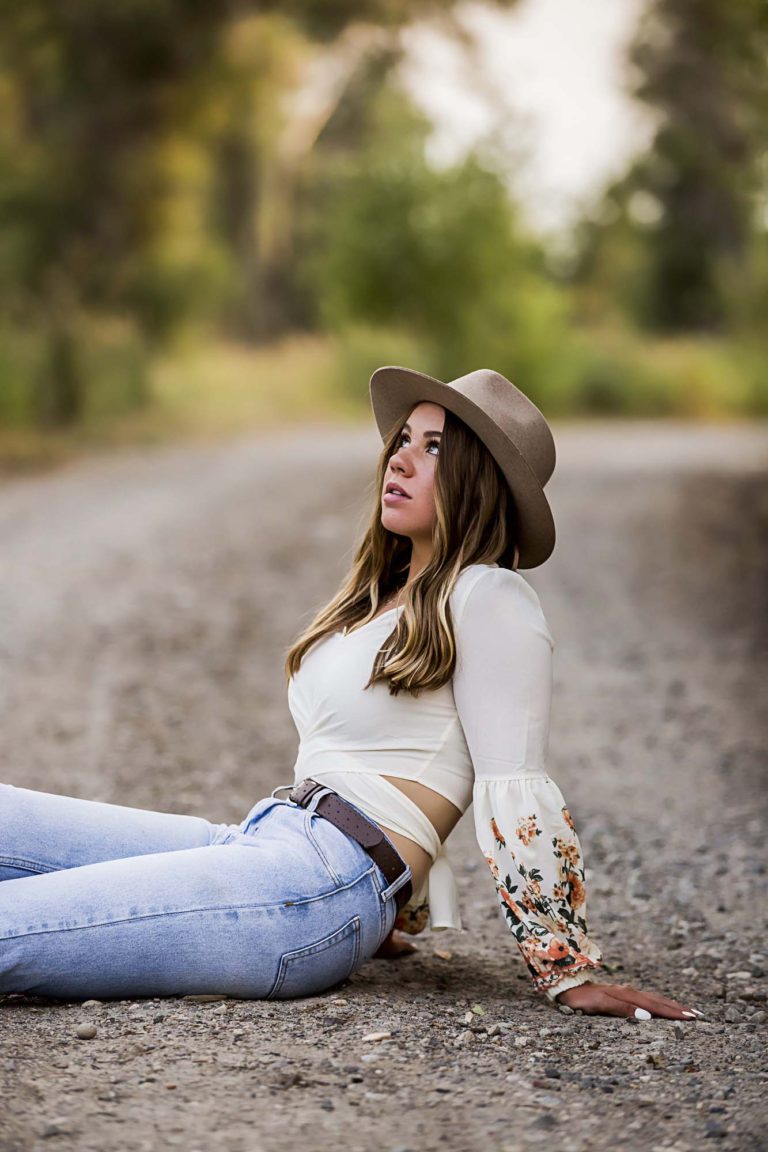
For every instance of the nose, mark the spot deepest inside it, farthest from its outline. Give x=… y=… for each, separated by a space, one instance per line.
x=400 y=461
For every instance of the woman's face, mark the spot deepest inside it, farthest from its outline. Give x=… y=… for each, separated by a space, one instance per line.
x=411 y=468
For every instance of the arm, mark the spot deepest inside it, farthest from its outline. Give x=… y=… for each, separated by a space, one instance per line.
x=502 y=689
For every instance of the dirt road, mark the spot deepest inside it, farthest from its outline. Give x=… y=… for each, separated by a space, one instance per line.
x=146 y=603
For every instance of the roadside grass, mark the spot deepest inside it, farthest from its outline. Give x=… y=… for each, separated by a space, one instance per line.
x=205 y=390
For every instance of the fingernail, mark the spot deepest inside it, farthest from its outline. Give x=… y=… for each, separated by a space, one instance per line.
x=641 y=1014
x=696 y=1012
x=691 y=1015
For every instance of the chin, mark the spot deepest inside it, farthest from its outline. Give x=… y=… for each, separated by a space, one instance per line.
x=394 y=524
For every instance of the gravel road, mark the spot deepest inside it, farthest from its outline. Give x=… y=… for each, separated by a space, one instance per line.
x=146 y=604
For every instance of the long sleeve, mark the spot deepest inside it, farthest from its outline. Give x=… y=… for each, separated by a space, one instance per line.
x=502 y=688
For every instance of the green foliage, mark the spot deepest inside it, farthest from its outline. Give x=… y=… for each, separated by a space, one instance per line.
x=94 y=369
x=440 y=254
x=692 y=207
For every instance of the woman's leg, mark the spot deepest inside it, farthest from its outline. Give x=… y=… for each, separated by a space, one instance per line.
x=286 y=905
x=41 y=832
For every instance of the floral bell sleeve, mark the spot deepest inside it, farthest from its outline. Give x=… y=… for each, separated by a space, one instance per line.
x=502 y=688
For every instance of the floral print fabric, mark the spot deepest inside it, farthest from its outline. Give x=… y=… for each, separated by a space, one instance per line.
x=534 y=855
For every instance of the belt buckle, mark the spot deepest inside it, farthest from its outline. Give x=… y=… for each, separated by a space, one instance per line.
x=303 y=793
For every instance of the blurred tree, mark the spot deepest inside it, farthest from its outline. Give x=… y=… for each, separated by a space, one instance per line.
x=703 y=67
x=148 y=155
x=395 y=243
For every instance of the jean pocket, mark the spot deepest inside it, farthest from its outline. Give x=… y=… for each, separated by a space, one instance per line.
x=319 y=966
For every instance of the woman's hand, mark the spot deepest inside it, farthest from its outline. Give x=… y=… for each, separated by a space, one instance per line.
x=396 y=944
x=621 y=1000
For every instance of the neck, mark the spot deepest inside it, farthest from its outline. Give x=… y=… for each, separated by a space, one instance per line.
x=419 y=560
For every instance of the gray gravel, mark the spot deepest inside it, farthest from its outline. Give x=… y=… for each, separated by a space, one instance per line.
x=146 y=604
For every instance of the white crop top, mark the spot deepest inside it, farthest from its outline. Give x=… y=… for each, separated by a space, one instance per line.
x=482 y=737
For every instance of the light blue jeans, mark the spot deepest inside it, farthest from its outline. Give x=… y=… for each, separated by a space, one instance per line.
x=100 y=900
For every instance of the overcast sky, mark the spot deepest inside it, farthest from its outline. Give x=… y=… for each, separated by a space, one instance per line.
x=551 y=74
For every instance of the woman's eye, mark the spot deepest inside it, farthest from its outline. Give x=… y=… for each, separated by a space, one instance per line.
x=431 y=443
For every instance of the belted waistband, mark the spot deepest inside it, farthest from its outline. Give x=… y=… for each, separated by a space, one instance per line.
x=367 y=833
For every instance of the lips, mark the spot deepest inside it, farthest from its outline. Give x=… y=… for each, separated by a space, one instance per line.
x=396 y=488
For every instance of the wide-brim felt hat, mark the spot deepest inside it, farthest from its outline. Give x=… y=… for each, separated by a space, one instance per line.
x=510 y=425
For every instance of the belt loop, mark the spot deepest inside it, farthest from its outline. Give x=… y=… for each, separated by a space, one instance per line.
x=280 y=788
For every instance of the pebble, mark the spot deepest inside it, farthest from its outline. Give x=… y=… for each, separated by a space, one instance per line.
x=58 y=1127
x=91 y=1004
x=732 y=1015
x=86 y=1031
x=203 y=998
x=713 y=1130
x=375 y=1036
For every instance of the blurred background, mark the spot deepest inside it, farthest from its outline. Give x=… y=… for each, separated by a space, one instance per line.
x=224 y=216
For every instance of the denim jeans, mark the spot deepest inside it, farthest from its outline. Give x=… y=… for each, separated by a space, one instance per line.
x=105 y=901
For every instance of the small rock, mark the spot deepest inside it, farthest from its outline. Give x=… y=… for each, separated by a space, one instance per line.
x=566 y=1011
x=91 y=1004
x=327 y=1105
x=714 y=1130
x=85 y=1031
x=58 y=1127
x=376 y=1036
x=444 y=955
x=732 y=1015
x=203 y=998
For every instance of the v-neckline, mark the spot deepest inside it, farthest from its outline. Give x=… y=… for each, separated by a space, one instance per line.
x=344 y=633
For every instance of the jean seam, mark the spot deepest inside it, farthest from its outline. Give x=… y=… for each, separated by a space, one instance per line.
x=189 y=912
x=30 y=865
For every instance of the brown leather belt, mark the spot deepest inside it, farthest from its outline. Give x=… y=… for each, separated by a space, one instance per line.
x=367 y=834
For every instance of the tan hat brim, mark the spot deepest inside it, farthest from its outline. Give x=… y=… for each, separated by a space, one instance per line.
x=394 y=391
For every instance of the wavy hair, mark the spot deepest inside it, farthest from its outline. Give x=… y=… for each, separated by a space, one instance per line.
x=476 y=523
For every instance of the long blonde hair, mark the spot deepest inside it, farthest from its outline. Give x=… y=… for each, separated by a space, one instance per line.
x=476 y=523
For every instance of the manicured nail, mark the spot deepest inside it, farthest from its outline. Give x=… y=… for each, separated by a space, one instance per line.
x=691 y=1015
x=641 y=1014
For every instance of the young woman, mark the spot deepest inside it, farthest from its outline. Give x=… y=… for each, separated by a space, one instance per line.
x=422 y=686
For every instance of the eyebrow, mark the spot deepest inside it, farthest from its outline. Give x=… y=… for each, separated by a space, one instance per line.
x=434 y=432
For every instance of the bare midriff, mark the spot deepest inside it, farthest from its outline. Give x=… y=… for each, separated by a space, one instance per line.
x=442 y=814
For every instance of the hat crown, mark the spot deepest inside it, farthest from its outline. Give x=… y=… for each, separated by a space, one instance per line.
x=516 y=415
